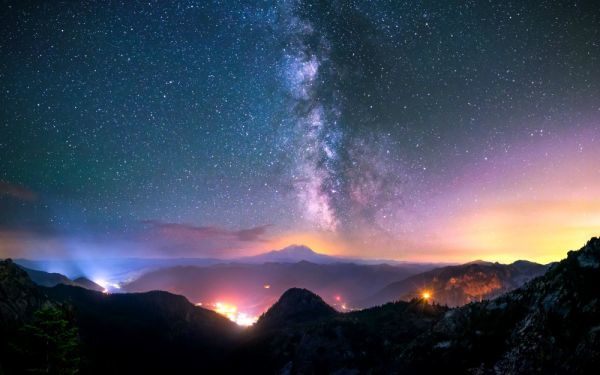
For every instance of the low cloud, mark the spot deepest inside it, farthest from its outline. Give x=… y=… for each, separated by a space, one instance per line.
x=17 y=192
x=175 y=239
x=192 y=232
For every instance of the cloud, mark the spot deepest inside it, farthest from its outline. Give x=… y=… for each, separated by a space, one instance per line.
x=191 y=232
x=17 y=192
x=155 y=239
x=175 y=239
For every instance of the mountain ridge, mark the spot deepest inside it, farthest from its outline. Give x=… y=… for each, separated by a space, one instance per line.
x=460 y=284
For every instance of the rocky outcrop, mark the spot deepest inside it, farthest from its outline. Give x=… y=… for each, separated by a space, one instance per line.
x=551 y=325
x=19 y=296
x=458 y=285
x=295 y=306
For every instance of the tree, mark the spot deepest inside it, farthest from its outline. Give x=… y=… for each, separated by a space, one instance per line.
x=51 y=342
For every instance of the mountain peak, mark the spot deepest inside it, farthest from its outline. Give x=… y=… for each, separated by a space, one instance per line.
x=290 y=254
x=296 y=250
x=479 y=262
x=589 y=255
x=557 y=311
x=296 y=305
x=20 y=296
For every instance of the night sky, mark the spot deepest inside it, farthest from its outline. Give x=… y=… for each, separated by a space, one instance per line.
x=435 y=130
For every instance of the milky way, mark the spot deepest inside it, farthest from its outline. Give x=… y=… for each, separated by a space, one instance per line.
x=341 y=181
x=314 y=122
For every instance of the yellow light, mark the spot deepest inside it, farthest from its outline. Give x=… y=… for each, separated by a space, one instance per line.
x=426 y=295
x=266 y=286
x=231 y=312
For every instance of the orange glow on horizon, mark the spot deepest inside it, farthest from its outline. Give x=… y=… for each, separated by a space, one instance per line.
x=322 y=243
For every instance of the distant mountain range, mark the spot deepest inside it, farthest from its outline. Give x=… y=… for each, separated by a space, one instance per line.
x=459 y=285
x=155 y=332
x=298 y=253
x=50 y=279
x=549 y=325
x=253 y=287
x=254 y=283
x=127 y=269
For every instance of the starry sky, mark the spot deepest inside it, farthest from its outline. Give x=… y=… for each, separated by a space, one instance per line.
x=416 y=130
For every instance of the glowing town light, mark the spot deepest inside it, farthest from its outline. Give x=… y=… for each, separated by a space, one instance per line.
x=227 y=310
x=267 y=286
x=106 y=286
x=101 y=282
x=245 y=319
x=231 y=312
x=426 y=295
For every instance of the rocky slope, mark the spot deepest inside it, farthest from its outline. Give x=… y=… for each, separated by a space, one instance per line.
x=50 y=279
x=458 y=285
x=294 y=307
x=329 y=342
x=19 y=296
x=245 y=283
x=120 y=333
x=551 y=325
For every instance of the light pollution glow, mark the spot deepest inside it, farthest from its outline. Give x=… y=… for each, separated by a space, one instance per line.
x=535 y=210
x=539 y=201
x=232 y=313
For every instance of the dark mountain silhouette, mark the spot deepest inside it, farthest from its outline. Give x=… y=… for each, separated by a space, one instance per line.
x=47 y=278
x=19 y=296
x=244 y=284
x=295 y=306
x=50 y=279
x=146 y=332
x=459 y=285
x=120 y=333
x=551 y=325
x=331 y=342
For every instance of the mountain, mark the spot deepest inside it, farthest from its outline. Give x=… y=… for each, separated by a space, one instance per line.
x=119 y=333
x=551 y=325
x=253 y=288
x=87 y=284
x=459 y=285
x=50 y=279
x=19 y=296
x=46 y=278
x=146 y=332
x=127 y=269
x=290 y=254
x=329 y=342
x=295 y=306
